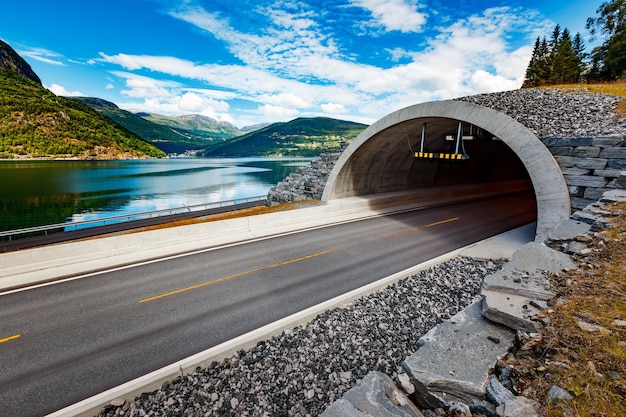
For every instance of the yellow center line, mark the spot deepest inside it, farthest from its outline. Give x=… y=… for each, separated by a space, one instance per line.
x=6 y=339
x=452 y=219
x=215 y=281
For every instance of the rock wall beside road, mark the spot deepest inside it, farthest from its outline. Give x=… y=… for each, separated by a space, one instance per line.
x=306 y=183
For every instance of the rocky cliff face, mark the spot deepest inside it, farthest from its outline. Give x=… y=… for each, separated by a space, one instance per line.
x=10 y=61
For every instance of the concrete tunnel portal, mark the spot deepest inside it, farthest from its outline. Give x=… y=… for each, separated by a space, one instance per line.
x=382 y=158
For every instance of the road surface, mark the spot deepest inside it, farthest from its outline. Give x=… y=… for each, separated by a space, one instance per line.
x=64 y=342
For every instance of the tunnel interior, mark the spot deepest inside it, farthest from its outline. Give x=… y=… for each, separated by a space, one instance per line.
x=387 y=162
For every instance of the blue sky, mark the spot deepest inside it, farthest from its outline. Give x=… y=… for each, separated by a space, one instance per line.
x=256 y=61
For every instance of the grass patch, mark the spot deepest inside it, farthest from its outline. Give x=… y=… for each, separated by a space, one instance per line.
x=583 y=349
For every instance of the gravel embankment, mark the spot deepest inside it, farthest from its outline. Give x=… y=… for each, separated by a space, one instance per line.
x=557 y=113
x=303 y=371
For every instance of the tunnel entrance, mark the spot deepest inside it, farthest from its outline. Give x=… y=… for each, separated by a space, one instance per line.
x=382 y=159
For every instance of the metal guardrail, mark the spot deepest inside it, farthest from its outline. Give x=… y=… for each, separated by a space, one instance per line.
x=130 y=217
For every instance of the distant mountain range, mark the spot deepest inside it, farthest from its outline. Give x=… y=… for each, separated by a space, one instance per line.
x=208 y=137
x=38 y=124
x=299 y=137
x=173 y=135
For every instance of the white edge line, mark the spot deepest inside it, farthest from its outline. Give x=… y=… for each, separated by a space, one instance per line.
x=153 y=380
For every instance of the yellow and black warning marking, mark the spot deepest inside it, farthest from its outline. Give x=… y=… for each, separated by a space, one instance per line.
x=436 y=155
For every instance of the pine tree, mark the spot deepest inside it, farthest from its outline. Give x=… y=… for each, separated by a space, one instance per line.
x=609 y=59
x=532 y=78
x=557 y=61
x=578 y=47
x=554 y=41
x=565 y=64
x=545 y=62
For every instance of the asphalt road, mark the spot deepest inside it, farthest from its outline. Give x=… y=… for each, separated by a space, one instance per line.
x=65 y=342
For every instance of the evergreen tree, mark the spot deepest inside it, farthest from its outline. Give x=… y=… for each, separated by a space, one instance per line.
x=578 y=47
x=564 y=65
x=609 y=59
x=556 y=37
x=545 y=63
x=557 y=61
x=532 y=77
x=540 y=67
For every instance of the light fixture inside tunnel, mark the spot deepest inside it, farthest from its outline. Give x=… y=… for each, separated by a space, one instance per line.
x=456 y=156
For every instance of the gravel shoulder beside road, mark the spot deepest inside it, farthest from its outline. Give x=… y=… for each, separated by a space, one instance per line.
x=304 y=370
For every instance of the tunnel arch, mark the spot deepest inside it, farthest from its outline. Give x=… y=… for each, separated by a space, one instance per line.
x=376 y=160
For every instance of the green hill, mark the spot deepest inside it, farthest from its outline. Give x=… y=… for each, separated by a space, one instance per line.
x=10 y=61
x=163 y=137
x=35 y=123
x=172 y=134
x=197 y=131
x=299 y=137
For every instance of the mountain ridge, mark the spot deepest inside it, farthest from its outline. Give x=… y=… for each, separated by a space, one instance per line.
x=11 y=61
x=204 y=136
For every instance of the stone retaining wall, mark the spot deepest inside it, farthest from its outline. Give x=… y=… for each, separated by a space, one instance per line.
x=591 y=166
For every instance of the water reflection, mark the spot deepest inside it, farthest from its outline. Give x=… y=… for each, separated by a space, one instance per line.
x=36 y=193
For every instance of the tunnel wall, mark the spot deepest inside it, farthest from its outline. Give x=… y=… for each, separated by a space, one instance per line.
x=376 y=161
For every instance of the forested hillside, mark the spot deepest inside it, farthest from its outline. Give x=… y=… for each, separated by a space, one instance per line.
x=299 y=137
x=35 y=123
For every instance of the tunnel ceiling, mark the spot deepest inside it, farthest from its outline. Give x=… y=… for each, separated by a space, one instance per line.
x=381 y=159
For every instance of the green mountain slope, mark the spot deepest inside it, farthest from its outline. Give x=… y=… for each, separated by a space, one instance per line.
x=35 y=123
x=163 y=137
x=197 y=131
x=299 y=137
x=10 y=61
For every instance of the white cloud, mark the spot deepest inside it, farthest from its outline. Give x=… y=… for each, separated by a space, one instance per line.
x=287 y=100
x=61 y=91
x=456 y=61
x=191 y=102
x=393 y=15
x=170 y=97
x=139 y=86
x=215 y=94
x=277 y=113
x=43 y=55
x=488 y=83
x=333 y=108
x=294 y=68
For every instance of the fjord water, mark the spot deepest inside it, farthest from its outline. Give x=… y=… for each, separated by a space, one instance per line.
x=34 y=193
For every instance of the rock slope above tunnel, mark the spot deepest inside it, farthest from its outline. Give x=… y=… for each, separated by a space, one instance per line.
x=557 y=112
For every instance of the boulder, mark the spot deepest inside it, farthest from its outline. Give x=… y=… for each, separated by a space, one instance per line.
x=376 y=395
x=439 y=377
